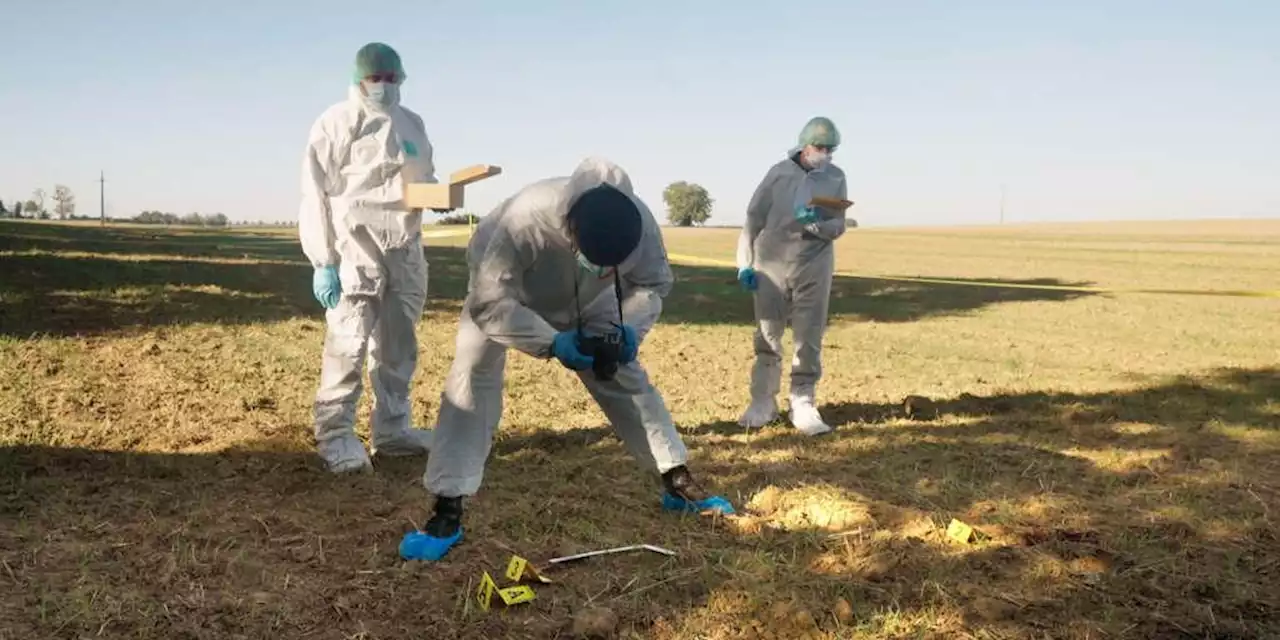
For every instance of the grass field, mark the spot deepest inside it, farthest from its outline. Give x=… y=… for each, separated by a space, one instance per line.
x=1119 y=455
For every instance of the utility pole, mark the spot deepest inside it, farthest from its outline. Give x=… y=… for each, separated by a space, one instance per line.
x=1002 y=190
x=102 y=197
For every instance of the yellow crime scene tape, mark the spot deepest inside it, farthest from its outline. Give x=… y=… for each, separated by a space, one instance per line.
x=711 y=262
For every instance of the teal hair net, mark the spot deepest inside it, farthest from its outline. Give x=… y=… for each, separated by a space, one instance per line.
x=820 y=132
x=377 y=57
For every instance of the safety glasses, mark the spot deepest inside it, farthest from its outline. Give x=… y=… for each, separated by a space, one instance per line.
x=389 y=78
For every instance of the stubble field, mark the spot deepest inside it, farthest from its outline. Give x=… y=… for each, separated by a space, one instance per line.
x=1117 y=453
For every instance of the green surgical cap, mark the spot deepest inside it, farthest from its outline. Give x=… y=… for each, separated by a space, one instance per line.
x=820 y=132
x=376 y=57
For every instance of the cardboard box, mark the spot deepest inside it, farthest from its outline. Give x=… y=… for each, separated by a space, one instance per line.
x=830 y=203
x=447 y=196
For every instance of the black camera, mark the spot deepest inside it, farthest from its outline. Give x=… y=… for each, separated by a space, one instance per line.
x=605 y=350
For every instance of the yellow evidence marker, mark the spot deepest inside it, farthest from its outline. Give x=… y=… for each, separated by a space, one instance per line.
x=516 y=595
x=519 y=568
x=959 y=531
x=446 y=196
x=484 y=594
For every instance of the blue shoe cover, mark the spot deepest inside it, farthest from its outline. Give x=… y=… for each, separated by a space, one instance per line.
x=714 y=503
x=417 y=545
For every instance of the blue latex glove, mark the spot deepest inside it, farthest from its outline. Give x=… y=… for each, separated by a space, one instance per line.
x=806 y=215
x=326 y=286
x=630 y=345
x=565 y=348
x=747 y=278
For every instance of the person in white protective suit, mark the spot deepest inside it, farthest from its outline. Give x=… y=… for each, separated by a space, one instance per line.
x=785 y=256
x=366 y=248
x=571 y=268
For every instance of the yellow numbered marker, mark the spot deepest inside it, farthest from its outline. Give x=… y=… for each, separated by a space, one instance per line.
x=959 y=531
x=515 y=568
x=519 y=569
x=516 y=595
x=485 y=593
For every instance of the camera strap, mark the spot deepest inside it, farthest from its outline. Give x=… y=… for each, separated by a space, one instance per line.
x=577 y=301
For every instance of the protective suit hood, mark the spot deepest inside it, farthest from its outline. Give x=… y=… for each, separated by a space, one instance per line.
x=595 y=171
x=591 y=172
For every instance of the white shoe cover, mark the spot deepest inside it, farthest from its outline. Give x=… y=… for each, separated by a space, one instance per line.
x=344 y=454
x=805 y=417
x=410 y=442
x=759 y=414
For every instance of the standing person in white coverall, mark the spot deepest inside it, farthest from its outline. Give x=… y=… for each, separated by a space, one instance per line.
x=785 y=257
x=563 y=260
x=366 y=248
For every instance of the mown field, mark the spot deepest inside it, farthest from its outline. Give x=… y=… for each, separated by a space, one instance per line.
x=1116 y=453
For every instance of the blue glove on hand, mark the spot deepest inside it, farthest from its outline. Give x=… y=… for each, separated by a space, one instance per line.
x=326 y=286
x=565 y=348
x=630 y=345
x=806 y=215
x=747 y=278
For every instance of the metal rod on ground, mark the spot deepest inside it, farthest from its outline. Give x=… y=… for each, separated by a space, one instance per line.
x=591 y=554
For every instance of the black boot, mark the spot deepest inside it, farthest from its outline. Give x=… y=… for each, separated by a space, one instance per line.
x=683 y=493
x=680 y=483
x=446 y=520
x=441 y=532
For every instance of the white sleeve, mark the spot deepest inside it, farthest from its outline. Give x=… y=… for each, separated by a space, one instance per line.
x=426 y=169
x=757 y=215
x=645 y=285
x=315 y=217
x=495 y=298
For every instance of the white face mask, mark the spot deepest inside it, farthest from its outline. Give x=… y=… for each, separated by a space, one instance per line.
x=385 y=94
x=817 y=159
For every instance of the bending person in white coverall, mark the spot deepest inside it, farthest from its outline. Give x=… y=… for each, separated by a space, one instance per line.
x=785 y=257
x=366 y=248
x=563 y=261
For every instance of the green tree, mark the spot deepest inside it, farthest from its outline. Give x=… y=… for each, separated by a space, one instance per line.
x=32 y=208
x=688 y=204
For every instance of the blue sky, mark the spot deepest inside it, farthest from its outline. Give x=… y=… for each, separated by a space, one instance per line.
x=1085 y=110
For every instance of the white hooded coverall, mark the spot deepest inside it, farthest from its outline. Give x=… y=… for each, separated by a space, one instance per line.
x=794 y=264
x=352 y=215
x=520 y=294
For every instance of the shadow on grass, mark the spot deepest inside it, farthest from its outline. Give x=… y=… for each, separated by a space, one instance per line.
x=1139 y=513
x=1129 y=514
x=63 y=280
x=81 y=280
x=710 y=295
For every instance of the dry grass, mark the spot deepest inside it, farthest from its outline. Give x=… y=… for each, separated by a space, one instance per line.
x=1117 y=454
